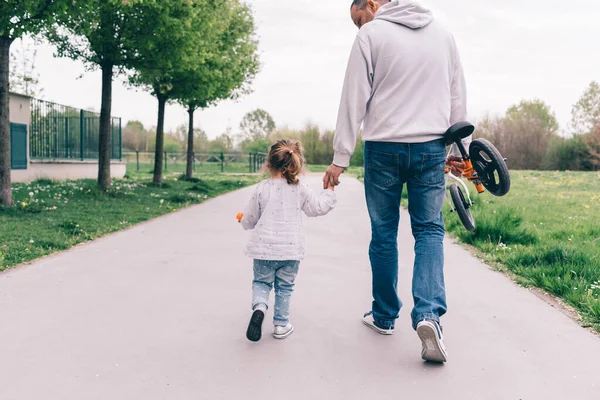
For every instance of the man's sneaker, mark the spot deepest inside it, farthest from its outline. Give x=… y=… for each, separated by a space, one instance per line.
x=431 y=336
x=254 y=331
x=281 y=332
x=369 y=321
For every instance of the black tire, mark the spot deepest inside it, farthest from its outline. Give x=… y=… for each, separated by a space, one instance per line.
x=461 y=207
x=490 y=166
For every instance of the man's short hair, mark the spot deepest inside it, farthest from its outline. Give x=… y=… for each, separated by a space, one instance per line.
x=361 y=4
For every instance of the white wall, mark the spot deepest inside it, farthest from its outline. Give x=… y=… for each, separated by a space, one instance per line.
x=20 y=109
x=61 y=170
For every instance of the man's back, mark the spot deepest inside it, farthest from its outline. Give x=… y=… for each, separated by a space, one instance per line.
x=404 y=79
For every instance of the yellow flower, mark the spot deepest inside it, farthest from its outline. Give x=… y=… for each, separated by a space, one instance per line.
x=23 y=204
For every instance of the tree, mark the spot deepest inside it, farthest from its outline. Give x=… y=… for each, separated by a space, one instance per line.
x=24 y=78
x=223 y=143
x=107 y=35
x=17 y=18
x=586 y=112
x=593 y=145
x=228 y=68
x=182 y=26
x=527 y=130
x=135 y=136
x=257 y=124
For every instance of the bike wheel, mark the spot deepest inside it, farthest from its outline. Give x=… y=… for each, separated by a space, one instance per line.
x=490 y=166
x=462 y=207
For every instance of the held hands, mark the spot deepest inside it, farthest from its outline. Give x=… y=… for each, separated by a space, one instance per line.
x=332 y=177
x=453 y=170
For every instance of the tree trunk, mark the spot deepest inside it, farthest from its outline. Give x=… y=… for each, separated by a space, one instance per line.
x=160 y=140
x=104 y=145
x=5 y=183
x=190 y=150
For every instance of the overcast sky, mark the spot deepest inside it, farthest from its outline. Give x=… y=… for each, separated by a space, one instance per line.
x=511 y=50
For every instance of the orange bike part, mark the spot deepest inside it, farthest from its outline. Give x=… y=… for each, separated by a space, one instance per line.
x=470 y=174
x=467 y=171
x=239 y=217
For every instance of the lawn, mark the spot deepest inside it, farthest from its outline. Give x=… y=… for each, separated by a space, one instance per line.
x=52 y=216
x=357 y=172
x=179 y=167
x=546 y=231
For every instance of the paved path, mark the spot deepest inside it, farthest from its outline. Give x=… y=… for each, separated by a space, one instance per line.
x=159 y=312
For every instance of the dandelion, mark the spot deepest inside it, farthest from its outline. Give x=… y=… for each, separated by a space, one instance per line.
x=23 y=204
x=31 y=241
x=162 y=201
x=30 y=194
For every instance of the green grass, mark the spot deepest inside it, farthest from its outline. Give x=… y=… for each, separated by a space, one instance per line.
x=546 y=231
x=357 y=172
x=179 y=167
x=52 y=216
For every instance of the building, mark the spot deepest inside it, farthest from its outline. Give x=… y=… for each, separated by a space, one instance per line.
x=57 y=142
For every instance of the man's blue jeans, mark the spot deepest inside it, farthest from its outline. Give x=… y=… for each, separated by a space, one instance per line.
x=388 y=167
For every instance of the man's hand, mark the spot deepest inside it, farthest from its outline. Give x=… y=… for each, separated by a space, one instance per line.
x=332 y=176
x=453 y=170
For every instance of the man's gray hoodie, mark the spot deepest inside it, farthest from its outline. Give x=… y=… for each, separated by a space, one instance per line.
x=404 y=81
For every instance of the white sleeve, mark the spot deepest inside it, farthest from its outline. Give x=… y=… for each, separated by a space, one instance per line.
x=252 y=211
x=459 y=99
x=316 y=206
x=353 y=105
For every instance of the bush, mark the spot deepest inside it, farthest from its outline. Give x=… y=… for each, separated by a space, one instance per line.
x=568 y=155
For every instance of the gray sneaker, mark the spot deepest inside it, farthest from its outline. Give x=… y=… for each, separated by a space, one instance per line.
x=369 y=321
x=281 y=332
x=431 y=336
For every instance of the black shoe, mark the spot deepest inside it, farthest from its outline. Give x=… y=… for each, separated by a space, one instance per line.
x=254 y=331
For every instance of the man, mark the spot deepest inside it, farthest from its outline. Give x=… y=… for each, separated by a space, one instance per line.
x=405 y=82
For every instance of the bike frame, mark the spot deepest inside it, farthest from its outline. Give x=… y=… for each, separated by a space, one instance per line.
x=464 y=186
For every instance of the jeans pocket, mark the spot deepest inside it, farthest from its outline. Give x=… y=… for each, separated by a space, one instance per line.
x=381 y=168
x=432 y=170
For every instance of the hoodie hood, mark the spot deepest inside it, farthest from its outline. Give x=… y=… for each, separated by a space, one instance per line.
x=405 y=12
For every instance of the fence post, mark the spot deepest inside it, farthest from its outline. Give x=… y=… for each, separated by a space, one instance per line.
x=137 y=160
x=194 y=161
x=120 y=141
x=222 y=162
x=81 y=133
x=66 y=137
x=165 y=155
x=250 y=162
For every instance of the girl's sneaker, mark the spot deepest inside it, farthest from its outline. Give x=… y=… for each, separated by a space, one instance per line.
x=254 y=331
x=281 y=332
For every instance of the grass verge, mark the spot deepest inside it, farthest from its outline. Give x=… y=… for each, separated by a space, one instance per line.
x=546 y=231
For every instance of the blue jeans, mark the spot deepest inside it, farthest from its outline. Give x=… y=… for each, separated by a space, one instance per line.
x=282 y=274
x=388 y=167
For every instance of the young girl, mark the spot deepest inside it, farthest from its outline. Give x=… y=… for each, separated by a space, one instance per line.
x=277 y=242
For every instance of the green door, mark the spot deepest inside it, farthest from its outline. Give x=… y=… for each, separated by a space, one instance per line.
x=18 y=146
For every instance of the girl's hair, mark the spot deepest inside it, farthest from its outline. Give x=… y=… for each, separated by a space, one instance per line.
x=287 y=157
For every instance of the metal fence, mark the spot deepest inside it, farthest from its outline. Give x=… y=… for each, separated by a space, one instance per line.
x=62 y=132
x=141 y=161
